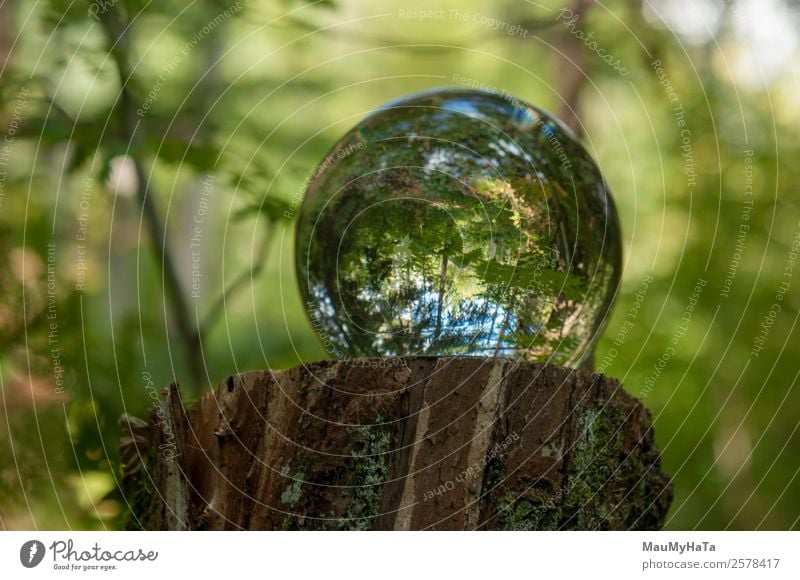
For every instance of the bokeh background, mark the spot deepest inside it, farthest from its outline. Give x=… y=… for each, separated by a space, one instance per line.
x=152 y=151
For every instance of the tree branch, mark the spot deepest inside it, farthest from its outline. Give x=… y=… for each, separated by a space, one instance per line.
x=116 y=34
x=573 y=72
x=238 y=283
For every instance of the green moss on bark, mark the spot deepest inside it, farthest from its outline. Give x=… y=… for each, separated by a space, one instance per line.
x=605 y=487
x=370 y=468
x=365 y=471
x=141 y=498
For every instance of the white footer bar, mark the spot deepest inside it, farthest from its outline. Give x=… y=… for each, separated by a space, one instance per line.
x=386 y=555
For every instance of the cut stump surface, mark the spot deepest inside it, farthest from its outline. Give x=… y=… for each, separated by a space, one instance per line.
x=398 y=444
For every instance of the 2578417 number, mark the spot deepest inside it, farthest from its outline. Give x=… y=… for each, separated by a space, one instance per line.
x=754 y=563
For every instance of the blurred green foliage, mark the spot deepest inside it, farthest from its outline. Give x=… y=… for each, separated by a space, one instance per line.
x=224 y=108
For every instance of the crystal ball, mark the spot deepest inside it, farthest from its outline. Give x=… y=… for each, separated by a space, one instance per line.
x=458 y=222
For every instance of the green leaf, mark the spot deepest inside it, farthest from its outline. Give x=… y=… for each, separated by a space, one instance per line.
x=199 y=156
x=272 y=208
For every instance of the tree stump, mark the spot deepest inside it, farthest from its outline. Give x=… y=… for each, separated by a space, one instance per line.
x=450 y=443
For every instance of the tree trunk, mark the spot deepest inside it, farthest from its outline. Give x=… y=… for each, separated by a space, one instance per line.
x=398 y=444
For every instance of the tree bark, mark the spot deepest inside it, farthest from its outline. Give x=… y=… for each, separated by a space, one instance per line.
x=398 y=444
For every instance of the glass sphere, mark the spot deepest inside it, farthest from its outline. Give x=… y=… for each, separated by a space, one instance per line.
x=458 y=222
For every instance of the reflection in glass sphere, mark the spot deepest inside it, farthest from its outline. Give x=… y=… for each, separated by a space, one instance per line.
x=458 y=222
